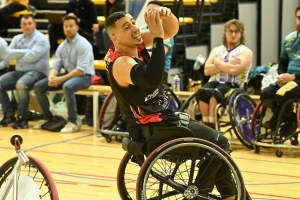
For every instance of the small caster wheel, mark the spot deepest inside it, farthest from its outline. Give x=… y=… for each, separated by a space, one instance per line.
x=108 y=139
x=279 y=153
x=16 y=137
x=256 y=149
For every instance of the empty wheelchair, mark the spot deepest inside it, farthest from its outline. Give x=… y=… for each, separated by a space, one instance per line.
x=232 y=113
x=110 y=120
x=279 y=133
x=170 y=163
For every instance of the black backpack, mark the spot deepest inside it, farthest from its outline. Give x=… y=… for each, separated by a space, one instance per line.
x=55 y=124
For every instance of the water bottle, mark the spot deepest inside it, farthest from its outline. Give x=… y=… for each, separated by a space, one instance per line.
x=176 y=85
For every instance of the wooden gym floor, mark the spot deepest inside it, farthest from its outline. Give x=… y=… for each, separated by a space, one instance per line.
x=84 y=165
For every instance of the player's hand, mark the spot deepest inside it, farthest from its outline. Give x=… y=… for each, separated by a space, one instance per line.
x=164 y=12
x=282 y=79
x=152 y=18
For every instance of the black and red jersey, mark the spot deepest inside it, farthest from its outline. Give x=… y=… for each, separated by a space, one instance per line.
x=139 y=104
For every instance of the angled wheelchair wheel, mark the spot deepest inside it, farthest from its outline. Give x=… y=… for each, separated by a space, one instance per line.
x=256 y=119
x=190 y=106
x=188 y=168
x=260 y=127
x=243 y=108
x=110 y=121
x=127 y=176
x=174 y=101
x=35 y=181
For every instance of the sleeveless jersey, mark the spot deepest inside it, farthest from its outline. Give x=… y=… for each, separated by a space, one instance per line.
x=139 y=105
x=226 y=55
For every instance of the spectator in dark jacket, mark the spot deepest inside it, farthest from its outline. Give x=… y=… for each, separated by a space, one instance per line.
x=86 y=13
x=101 y=35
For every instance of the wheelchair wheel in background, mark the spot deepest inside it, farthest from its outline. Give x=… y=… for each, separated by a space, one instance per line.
x=110 y=119
x=241 y=113
x=184 y=169
x=261 y=129
x=190 y=106
x=257 y=115
x=298 y=114
x=174 y=101
x=35 y=181
x=127 y=177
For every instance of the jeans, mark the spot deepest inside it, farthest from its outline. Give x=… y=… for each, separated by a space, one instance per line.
x=9 y=80
x=69 y=88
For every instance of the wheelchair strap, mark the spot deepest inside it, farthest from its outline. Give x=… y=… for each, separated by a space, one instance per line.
x=184 y=118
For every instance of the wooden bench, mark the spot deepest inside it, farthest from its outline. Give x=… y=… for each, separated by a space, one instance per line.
x=93 y=90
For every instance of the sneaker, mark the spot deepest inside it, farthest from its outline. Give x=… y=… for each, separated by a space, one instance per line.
x=7 y=120
x=39 y=124
x=20 y=123
x=70 y=128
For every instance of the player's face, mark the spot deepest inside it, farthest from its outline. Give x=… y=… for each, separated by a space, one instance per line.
x=127 y=31
x=298 y=21
x=233 y=35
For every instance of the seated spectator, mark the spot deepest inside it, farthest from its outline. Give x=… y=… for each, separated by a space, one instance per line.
x=4 y=64
x=288 y=83
x=168 y=43
x=7 y=8
x=101 y=35
x=228 y=65
x=75 y=56
x=86 y=14
x=31 y=51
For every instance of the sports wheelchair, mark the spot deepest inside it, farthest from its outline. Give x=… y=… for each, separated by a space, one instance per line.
x=170 y=163
x=271 y=133
x=232 y=113
x=110 y=121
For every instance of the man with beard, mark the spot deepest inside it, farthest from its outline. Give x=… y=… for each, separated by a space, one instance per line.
x=288 y=82
x=228 y=65
x=135 y=79
x=75 y=56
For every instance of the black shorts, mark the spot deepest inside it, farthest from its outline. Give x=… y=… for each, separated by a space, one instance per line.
x=224 y=88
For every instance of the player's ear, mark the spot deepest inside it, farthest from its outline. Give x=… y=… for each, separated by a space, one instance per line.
x=114 y=39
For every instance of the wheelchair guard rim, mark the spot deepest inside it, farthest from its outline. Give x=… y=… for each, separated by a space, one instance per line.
x=192 y=142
